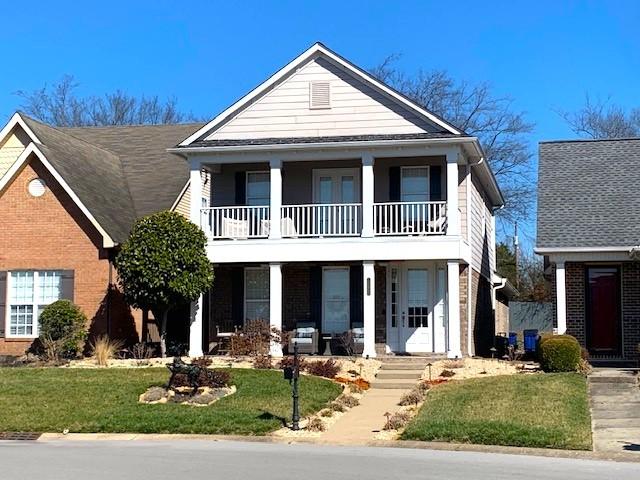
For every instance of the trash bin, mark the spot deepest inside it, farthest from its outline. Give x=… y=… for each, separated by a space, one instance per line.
x=530 y=340
x=501 y=343
x=513 y=340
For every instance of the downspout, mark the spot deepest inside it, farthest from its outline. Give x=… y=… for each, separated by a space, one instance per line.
x=496 y=287
x=108 y=299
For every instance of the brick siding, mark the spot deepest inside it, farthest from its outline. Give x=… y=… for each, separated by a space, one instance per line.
x=50 y=232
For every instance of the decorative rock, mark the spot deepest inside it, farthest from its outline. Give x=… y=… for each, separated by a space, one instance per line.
x=204 y=397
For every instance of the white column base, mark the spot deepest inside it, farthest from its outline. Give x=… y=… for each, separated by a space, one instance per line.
x=561 y=299
x=195 y=329
x=369 y=308
x=275 y=305
x=453 y=309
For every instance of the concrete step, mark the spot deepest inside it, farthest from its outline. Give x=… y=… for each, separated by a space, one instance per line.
x=393 y=383
x=400 y=375
x=402 y=366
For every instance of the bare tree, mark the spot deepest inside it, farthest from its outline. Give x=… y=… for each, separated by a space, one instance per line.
x=602 y=119
x=473 y=108
x=60 y=105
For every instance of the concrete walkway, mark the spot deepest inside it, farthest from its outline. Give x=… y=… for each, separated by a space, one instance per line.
x=615 y=408
x=360 y=424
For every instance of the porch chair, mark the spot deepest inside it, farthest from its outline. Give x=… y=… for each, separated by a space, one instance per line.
x=356 y=338
x=305 y=335
x=234 y=229
x=287 y=228
x=223 y=340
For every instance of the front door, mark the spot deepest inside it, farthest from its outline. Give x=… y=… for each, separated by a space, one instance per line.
x=603 y=310
x=410 y=308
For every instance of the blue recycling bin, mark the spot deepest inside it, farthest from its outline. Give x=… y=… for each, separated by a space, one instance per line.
x=513 y=340
x=530 y=340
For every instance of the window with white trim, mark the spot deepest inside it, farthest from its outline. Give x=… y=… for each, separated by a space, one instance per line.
x=256 y=294
x=258 y=188
x=28 y=293
x=414 y=185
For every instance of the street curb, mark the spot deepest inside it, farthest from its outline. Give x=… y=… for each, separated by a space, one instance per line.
x=408 y=444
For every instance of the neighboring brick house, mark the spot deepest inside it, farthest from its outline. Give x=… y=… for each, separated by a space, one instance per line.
x=589 y=231
x=68 y=198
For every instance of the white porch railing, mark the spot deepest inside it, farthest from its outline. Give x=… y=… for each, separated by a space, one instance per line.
x=322 y=220
x=410 y=218
x=235 y=222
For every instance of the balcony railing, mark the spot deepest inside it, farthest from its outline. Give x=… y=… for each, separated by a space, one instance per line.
x=236 y=222
x=325 y=220
x=410 y=218
x=322 y=220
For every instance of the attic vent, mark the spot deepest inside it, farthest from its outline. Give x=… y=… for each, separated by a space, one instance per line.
x=319 y=95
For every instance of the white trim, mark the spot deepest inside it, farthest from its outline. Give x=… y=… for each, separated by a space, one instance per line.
x=547 y=250
x=315 y=50
x=180 y=195
x=561 y=299
x=453 y=310
x=107 y=241
x=369 y=308
x=16 y=119
x=246 y=186
x=275 y=306
x=195 y=328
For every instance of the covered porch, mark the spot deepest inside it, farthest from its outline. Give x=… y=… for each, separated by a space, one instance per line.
x=380 y=307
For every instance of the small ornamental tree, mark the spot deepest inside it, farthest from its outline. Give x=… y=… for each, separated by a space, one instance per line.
x=163 y=264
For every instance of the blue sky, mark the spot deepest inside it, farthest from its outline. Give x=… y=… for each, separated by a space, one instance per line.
x=544 y=54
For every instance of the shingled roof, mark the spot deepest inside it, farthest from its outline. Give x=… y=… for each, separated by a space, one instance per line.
x=588 y=194
x=118 y=173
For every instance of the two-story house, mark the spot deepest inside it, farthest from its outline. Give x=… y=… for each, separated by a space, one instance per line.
x=336 y=200
x=328 y=199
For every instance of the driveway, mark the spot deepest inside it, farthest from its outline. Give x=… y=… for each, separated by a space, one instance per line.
x=163 y=460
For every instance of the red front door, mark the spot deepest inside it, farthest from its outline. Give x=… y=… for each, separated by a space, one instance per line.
x=603 y=310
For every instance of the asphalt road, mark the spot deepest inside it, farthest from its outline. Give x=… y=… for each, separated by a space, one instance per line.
x=186 y=459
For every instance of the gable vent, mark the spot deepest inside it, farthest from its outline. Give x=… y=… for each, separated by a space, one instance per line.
x=319 y=95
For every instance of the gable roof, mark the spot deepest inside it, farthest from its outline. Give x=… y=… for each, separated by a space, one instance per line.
x=318 y=50
x=588 y=195
x=114 y=174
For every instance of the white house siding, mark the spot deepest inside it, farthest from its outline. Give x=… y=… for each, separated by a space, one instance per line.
x=11 y=149
x=482 y=231
x=356 y=109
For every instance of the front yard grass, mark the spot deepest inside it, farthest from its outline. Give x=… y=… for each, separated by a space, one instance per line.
x=546 y=410
x=106 y=400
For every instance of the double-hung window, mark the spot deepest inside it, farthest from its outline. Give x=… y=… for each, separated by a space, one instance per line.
x=28 y=293
x=256 y=294
x=415 y=184
x=258 y=188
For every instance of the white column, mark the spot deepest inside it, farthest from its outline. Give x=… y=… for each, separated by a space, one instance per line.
x=561 y=298
x=195 y=329
x=275 y=203
x=275 y=304
x=369 y=308
x=367 y=194
x=195 y=191
x=453 y=309
x=453 y=214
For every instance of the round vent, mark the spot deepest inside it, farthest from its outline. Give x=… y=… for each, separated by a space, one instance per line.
x=37 y=187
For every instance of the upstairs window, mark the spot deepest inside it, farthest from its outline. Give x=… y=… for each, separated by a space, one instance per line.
x=258 y=188
x=414 y=186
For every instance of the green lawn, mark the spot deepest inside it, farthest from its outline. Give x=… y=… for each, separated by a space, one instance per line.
x=550 y=410
x=106 y=400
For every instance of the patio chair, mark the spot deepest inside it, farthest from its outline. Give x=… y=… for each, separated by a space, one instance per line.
x=356 y=338
x=235 y=229
x=305 y=335
x=287 y=228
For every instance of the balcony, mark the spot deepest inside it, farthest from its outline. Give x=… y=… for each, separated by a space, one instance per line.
x=325 y=220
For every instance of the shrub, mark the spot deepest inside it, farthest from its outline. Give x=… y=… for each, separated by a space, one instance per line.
x=202 y=362
x=64 y=323
x=337 y=406
x=254 y=339
x=327 y=368
x=453 y=364
x=287 y=362
x=414 y=397
x=262 y=362
x=397 y=421
x=206 y=378
x=447 y=373
x=348 y=401
x=423 y=386
x=315 y=425
x=355 y=388
x=104 y=349
x=327 y=412
x=141 y=351
x=560 y=353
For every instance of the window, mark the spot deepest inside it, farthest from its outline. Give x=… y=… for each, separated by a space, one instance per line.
x=414 y=185
x=28 y=293
x=258 y=188
x=256 y=294
x=336 y=316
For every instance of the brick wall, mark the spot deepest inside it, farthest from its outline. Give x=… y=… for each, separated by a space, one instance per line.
x=50 y=232
x=575 y=291
x=296 y=287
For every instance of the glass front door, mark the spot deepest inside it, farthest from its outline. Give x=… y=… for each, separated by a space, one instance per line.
x=336 y=317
